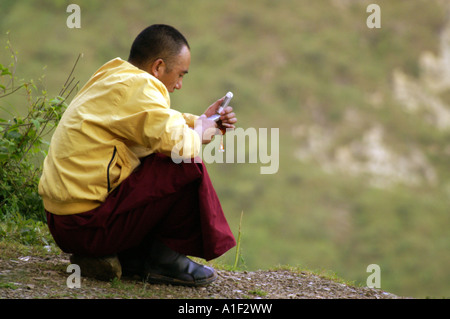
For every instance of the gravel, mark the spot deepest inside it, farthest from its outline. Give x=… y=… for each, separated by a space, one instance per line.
x=29 y=277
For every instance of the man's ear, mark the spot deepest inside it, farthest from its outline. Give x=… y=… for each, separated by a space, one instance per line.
x=158 y=67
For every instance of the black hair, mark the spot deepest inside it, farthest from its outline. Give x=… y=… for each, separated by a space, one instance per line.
x=155 y=42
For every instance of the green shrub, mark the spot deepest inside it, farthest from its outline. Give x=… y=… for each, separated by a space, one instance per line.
x=22 y=143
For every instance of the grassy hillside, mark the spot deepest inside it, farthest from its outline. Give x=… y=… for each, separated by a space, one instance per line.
x=363 y=176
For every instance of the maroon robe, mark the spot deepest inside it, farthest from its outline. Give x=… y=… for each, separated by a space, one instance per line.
x=174 y=203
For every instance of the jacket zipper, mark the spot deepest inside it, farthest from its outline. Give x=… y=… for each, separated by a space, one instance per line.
x=109 y=166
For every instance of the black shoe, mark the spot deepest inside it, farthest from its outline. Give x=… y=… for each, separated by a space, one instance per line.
x=132 y=267
x=133 y=263
x=165 y=266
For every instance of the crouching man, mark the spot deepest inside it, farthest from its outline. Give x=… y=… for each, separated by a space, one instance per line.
x=115 y=200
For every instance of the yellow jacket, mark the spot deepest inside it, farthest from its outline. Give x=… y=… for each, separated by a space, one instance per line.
x=121 y=115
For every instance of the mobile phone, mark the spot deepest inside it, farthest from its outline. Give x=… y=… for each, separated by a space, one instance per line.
x=224 y=104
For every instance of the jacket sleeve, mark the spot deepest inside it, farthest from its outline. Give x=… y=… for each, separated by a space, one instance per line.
x=190 y=119
x=143 y=116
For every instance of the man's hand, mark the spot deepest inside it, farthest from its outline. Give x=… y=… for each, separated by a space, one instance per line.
x=227 y=116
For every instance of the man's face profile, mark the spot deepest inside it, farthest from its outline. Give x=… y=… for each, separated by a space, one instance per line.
x=172 y=75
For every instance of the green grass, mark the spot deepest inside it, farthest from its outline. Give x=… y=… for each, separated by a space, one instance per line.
x=27 y=232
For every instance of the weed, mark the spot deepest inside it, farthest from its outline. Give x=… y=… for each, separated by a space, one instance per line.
x=238 y=244
x=22 y=140
x=8 y=285
x=258 y=292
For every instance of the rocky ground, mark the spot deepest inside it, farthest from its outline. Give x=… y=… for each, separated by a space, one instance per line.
x=28 y=277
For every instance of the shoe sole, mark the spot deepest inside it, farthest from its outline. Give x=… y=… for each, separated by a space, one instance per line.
x=160 y=279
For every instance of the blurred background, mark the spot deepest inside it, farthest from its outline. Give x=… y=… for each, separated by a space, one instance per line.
x=363 y=114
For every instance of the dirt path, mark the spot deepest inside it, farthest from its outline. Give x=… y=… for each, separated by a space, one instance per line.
x=27 y=277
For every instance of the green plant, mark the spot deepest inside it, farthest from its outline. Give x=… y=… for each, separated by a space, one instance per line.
x=26 y=231
x=258 y=293
x=22 y=139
